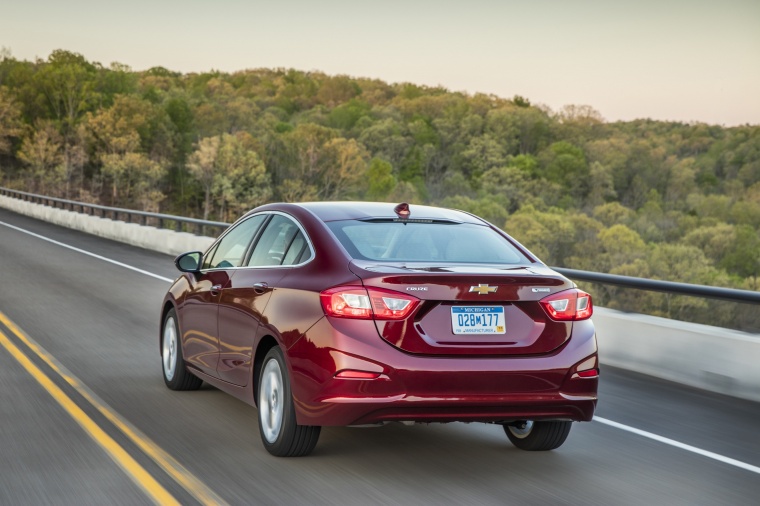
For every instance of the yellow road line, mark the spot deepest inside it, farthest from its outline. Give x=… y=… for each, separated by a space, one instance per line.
x=169 y=464
x=135 y=471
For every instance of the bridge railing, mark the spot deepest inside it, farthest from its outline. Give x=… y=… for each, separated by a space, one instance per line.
x=168 y=221
x=179 y=223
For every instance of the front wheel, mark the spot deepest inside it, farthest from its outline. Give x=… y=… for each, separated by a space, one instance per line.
x=537 y=436
x=281 y=435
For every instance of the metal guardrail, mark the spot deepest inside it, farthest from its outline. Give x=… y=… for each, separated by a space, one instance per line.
x=710 y=292
x=128 y=215
x=655 y=285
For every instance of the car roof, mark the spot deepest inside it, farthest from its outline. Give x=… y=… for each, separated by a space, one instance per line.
x=336 y=211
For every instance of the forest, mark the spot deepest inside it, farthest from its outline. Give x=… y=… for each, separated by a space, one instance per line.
x=645 y=198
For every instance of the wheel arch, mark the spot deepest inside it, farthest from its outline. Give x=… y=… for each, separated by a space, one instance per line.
x=168 y=306
x=265 y=344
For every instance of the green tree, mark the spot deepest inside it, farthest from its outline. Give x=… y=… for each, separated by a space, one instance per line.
x=743 y=258
x=565 y=164
x=380 y=180
x=67 y=81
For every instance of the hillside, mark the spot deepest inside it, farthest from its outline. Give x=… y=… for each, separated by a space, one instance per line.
x=645 y=198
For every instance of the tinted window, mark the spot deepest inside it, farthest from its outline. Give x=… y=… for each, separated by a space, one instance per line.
x=232 y=247
x=281 y=243
x=296 y=250
x=425 y=242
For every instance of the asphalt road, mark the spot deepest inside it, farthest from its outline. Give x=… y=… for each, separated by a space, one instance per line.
x=86 y=418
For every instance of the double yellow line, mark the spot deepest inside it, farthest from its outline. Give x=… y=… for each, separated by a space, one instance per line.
x=152 y=488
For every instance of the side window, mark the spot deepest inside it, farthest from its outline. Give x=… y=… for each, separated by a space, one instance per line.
x=296 y=250
x=281 y=243
x=231 y=249
x=208 y=256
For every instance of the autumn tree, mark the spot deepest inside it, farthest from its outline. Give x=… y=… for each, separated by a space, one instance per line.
x=42 y=154
x=10 y=120
x=232 y=175
x=202 y=167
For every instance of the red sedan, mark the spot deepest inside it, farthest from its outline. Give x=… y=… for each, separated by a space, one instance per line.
x=360 y=313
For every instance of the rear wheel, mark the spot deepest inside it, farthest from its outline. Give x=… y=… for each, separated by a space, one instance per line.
x=281 y=435
x=176 y=375
x=537 y=436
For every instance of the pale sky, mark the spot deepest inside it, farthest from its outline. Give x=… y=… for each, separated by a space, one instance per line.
x=682 y=60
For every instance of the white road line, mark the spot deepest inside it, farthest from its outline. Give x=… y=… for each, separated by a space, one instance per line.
x=86 y=252
x=682 y=446
x=633 y=430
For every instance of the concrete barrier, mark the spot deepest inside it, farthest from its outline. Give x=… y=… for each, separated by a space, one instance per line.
x=152 y=238
x=710 y=358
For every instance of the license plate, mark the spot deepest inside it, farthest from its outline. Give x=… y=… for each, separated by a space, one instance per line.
x=478 y=320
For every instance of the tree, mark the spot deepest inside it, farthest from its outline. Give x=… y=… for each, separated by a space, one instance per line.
x=380 y=180
x=385 y=139
x=137 y=176
x=67 y=81
x=565 y=164
x=231 y=175
x=10 y=120
x=579 y=123
x=41 y=152
x=202 y=167
x=345 y=166
x=241 y=181
x=337 y=90
x=743 y=258
x=601 y=186
x=482 y=153
x=619 y=245
x=115 y=132
x=504 y=125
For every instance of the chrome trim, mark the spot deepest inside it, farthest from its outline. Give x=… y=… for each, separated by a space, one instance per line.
x=246 y=217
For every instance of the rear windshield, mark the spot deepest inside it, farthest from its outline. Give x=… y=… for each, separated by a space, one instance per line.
x=400 y=241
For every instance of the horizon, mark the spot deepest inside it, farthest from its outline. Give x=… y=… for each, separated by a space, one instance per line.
x=675 y=61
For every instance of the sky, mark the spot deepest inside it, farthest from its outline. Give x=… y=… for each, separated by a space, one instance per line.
x=673 y=60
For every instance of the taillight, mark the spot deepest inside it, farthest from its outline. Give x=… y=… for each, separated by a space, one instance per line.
x=568 y=305
x=358 y=302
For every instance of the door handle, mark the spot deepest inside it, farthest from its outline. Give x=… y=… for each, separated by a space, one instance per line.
x=260 y=287
x=216 y=289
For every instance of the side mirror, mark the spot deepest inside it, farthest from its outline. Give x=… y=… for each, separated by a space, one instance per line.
x=189 y=262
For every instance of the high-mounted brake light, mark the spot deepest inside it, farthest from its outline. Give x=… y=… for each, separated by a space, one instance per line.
x=367 y=303
x=402 y=210
x=568 y=305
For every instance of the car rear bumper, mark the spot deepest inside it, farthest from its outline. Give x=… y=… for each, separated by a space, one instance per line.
x=433 y=389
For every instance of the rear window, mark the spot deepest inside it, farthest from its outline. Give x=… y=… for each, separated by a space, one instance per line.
x=425 y=242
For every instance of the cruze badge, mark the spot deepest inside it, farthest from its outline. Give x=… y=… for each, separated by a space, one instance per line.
x=483 y=289
x=539 y=290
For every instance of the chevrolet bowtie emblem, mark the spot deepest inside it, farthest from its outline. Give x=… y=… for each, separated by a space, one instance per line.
x=483 y=289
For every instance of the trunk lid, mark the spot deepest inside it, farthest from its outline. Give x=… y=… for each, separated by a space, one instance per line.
x=470 y=309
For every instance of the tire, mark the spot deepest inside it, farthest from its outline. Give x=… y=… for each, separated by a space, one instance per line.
x=281 y=435
x=176 y=374
x=538 y=436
